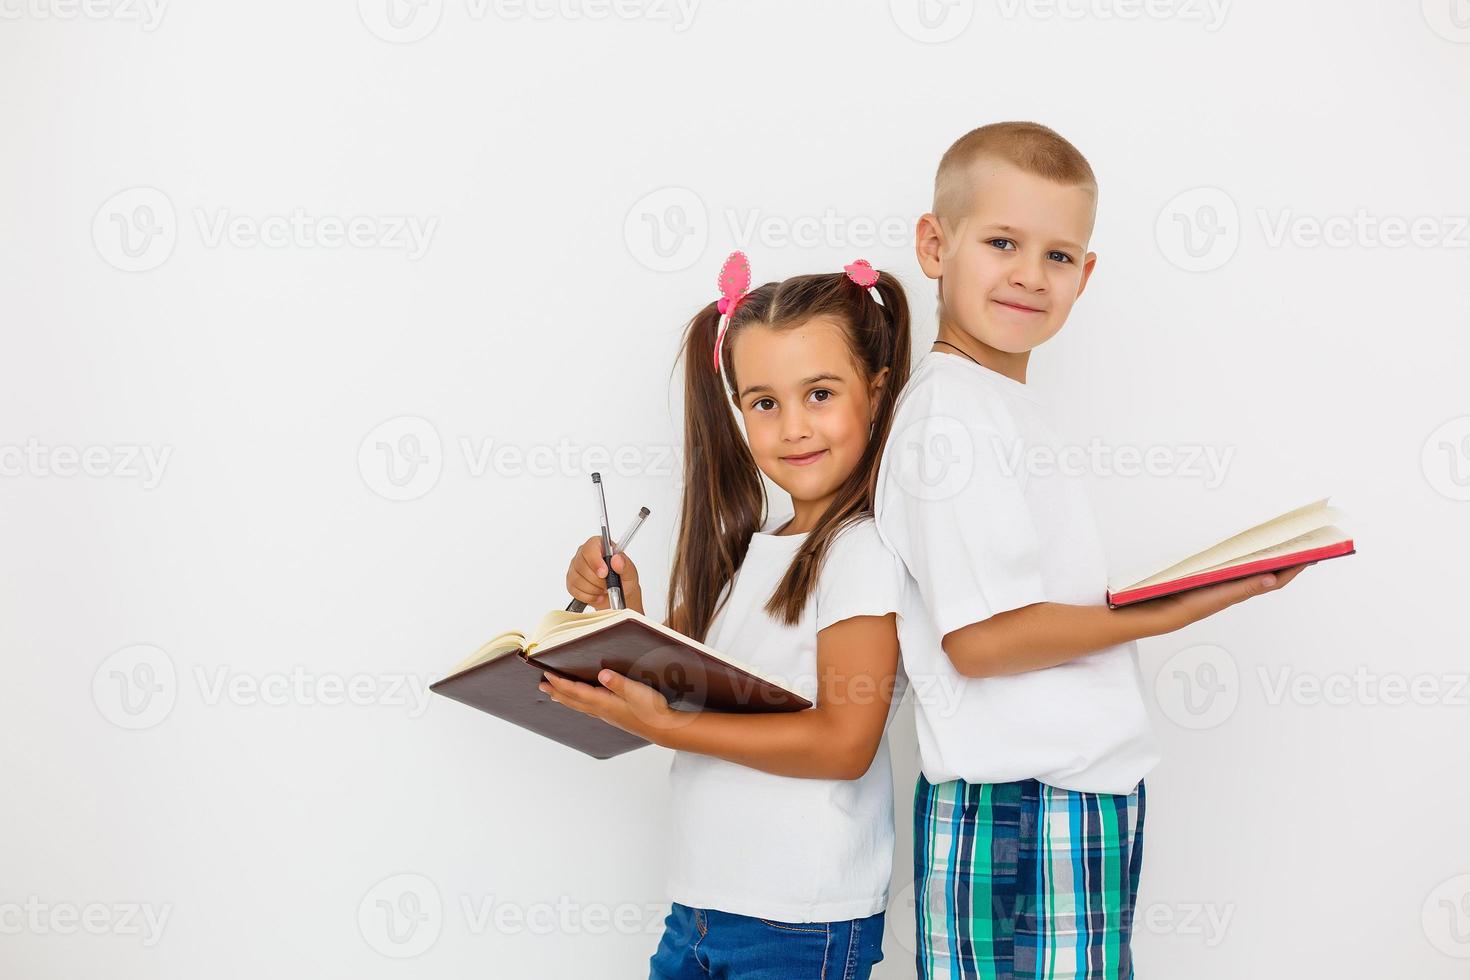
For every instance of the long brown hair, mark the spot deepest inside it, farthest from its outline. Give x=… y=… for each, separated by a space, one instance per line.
x=724 y=500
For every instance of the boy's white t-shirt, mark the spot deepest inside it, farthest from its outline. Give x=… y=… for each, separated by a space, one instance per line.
x=781 y=847
x=987 y=518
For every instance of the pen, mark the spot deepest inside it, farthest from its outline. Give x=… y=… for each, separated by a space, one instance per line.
x=577 y=605
x=614 y=580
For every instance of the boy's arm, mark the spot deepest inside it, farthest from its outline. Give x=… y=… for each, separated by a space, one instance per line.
x=1045 y=634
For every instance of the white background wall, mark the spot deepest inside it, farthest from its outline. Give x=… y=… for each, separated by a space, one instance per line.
x=178 y=636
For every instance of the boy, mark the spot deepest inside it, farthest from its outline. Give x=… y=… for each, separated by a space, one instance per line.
x=1028 y=814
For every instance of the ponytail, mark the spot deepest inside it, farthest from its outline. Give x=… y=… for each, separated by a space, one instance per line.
x=723 y=496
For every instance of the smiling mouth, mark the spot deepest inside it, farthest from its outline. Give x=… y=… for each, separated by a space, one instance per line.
x=1017 y=307
x=804 y=460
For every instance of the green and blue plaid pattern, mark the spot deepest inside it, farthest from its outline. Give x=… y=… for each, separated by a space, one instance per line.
x=1025 y=880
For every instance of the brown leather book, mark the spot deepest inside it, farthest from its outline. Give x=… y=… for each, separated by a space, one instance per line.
x=501 y=677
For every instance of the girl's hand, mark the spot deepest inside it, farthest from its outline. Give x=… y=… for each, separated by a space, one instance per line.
x=635 y=708
x=1177 y=611
x=587 y=574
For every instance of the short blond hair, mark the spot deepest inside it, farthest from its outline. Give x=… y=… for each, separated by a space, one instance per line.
x=1029 y=146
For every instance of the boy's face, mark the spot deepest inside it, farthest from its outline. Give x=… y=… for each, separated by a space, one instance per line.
x=807 y=409
x=1010 y=268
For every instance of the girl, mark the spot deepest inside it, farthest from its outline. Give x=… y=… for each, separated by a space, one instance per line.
x=783 y=823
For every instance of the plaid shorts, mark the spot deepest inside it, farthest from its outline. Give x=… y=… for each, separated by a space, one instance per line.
x=1024 y=880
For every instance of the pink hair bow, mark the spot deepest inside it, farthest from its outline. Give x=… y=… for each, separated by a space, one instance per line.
x=734 y=283
x=863 y=273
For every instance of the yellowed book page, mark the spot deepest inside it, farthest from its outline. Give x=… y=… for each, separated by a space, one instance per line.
x=1266 y=535
x=510 y=642
x=1319 y=538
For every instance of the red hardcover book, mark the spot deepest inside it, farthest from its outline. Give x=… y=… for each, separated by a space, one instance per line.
x=1307 y=534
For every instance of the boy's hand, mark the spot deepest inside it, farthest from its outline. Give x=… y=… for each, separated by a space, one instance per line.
x=1177 y=611
x=587 y=574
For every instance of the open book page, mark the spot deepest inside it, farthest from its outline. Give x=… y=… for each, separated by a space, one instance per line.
x=1317 y=538
x=1232 y=550
x=498 y=646
x=559 y=626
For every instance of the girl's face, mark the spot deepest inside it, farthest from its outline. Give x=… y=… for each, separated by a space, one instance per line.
x=808 y=410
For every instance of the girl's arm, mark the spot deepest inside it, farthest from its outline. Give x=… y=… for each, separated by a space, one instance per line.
x=1046 y=634
x=857 y=662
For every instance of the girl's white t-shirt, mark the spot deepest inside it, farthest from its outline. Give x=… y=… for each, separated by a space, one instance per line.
x=780 y=847
x=989 y=512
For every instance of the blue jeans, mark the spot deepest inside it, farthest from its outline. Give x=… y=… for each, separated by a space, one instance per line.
x=700 y=944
